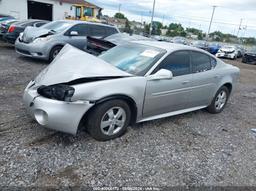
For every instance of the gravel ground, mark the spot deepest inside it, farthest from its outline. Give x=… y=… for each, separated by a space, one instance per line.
x=193 y=149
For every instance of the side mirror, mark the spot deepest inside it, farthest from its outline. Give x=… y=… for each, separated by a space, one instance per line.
x=73 y=33
x=161 y=74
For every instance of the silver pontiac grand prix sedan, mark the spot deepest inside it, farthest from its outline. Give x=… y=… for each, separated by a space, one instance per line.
x=130 y=83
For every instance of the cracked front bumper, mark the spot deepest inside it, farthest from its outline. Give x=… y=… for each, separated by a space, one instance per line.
x=53 y=114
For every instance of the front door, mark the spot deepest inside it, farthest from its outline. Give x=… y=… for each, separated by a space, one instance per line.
x=169 y=95
x=79 y=40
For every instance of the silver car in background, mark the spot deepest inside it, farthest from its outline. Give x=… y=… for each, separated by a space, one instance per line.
x=130 y=83
x=47 y=41
x=228 y=51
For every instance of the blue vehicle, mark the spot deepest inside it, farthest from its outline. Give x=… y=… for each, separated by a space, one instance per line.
x=214 y=47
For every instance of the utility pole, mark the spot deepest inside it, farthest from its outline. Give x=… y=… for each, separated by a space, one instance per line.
x=152 y=18
x=213 y=11
x=163 y=19
x=239 y=28
x=119 y=7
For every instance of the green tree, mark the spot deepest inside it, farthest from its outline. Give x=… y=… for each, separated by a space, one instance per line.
x=222 y=37
x=156 y=29
x=195 y=31
x=175 y=29
x=120 y=16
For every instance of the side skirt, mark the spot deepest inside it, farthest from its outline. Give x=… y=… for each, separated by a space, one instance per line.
x=171 y=113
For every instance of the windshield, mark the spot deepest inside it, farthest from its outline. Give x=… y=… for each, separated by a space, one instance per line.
x=228 y=47
x=57 y=26
x=133 y=58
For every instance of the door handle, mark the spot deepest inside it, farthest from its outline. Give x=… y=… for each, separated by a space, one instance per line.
x=185 y=82
x=216 y=77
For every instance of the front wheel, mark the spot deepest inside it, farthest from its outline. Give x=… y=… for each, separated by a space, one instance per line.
x=108 y=120
x=54 y=52
x=220 y=100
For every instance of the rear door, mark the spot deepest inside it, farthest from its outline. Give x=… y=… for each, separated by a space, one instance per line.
x=204 y=80
x=78 y=41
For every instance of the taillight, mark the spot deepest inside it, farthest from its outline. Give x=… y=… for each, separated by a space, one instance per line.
x=11 y=29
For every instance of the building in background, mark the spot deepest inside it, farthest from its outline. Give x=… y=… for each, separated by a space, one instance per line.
x=120 y=23
x=42 y=9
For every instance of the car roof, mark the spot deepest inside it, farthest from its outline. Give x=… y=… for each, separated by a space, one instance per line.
x=169 y=47
x=20 y=23
x=83 y=22
x=122 y=38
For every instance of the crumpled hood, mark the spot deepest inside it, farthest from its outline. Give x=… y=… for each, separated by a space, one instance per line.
x=72 y=64
x=31 y=33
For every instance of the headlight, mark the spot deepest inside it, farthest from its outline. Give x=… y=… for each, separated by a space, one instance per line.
x=21 y=36
x=44 y=39
x=59 y=92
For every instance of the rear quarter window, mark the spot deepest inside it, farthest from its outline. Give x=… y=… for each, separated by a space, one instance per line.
x=213 y=62
x=111 y=30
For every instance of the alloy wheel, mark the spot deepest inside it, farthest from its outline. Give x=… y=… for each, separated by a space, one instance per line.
x=220 y=100
x=113 y=121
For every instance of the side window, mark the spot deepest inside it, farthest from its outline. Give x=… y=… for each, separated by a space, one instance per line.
x=213 y=62
x=97 y=30
x=39 y=24
x=111 y=31
x=82 y=29
x=177 y=62
x=200 y=62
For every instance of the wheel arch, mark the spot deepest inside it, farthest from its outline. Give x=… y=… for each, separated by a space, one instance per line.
x=54 y=46
x=229 y=86
x=131 y=103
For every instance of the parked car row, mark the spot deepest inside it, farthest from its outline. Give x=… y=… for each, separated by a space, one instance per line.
x=11 y=30
x=44 y=39
x=219 y=50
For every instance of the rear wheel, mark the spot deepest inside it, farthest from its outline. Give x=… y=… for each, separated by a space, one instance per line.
x=54 y=52
x=220 y=100
x=108 y=120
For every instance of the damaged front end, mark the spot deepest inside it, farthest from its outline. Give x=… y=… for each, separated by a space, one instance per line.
x=50 y=97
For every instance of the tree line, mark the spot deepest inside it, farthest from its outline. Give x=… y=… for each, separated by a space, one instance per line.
x=176 y=29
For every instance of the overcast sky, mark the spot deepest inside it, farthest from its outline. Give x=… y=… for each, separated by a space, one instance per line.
x=190 y=13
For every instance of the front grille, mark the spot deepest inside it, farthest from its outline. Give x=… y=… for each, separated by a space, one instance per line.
x=229 y=52
x=23 y=51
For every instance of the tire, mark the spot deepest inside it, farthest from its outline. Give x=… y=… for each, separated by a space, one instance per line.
x=217 y=107
x=100 y=125
x=244 y=60
x=54 y=52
